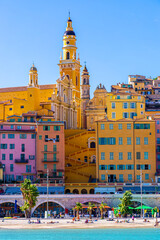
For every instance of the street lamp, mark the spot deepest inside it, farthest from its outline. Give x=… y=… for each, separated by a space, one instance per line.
x=141 y=191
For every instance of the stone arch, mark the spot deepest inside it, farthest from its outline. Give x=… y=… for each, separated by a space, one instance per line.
x=91 y=142
x=8 y=208
x=92 y=201
x=44 y=201
x=10 y=201
x=67 y=191
x=91 y=191
x=93 y=159
x=84 y=191
x=75 y=191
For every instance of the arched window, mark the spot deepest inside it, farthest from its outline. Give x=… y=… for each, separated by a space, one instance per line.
x=67 y=76
x=76 y=81
x=92 y=145
x=91 y=191
x=75 y=191
x=67 y=191
x=83 y=191
x=67 y=55
x=84 y=81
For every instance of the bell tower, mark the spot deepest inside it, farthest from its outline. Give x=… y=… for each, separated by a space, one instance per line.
x=85 y=95
x=33 y=77
x=69 y=65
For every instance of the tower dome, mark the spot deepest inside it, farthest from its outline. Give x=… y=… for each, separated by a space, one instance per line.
x=33 y=68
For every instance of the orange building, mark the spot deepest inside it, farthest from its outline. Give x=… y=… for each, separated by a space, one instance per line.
x=50 y=150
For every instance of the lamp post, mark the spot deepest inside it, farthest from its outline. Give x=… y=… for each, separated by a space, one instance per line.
x=47 y=191
x=141 y=192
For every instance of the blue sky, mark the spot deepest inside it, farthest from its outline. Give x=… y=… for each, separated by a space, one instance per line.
x=116 y=38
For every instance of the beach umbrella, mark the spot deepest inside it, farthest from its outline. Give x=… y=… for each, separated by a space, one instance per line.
x=143 y=207
x=131 y=207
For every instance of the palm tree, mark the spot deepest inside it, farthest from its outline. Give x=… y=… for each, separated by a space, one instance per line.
x=77 y=208
x=90 y=208
x=102 y=207
x=30 y=194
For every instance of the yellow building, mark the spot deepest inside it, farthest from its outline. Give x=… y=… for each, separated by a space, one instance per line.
x=61 y=99
x=124 y=148
x=114 y=106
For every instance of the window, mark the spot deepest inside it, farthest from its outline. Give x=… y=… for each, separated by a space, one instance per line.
x=129 y=154
x=121 y=167
x=46 y=128
x=158 y=140
x=118 y=97
x=129 y=167
x=45 y=156
x=22 y=106
x=125 y=115
x=45 y=166
x=110 y=126
x=22 y=147
x=146 y=155
x=25 y=119
x=125 y=105
x=138 y=177
x=85 y=159
x=121 y=178
x=113 y=115
x=54 y=148
x=129 y=177
x=1 y=126
x=102 y=155
x=145 y=140
x=57 y=138
x=107 y=141
x=138 y=155
x=67 y=55
x=54 y=157
x=33 y=136
x=11 y=167
x=10 y=156
x=3 y=146
x=137 y=140
x=141 y=105
x=32 y=119
x=120 y=155
x=103 y=177
x=46 y=138
x=157 y=122
x=120 y=140
x=19 y=127
x=138 y=166
x=142 y=112
x=4 y=136
x=146 y=176
x=40 y=137
x=111 y=155
x=54 y=167
x=139 y=97
x=102 y=127
x=22 y=156
x=157 y=130
x=120 y=126
x=128 y=140
x=31 y=157
x=141 y=126
x=113 y=105
x=132 y=114
x=23 y=136
x=12 y=146
x=11 y=136
x=57 y=128
x=3 y=156
x=28 y=168
x=111 y=167
x=128 y=126
x=132 y=105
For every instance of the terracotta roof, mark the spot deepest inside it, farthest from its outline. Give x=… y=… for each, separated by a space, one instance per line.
x=24 y=88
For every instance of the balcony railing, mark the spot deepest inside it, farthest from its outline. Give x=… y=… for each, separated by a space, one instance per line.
x=50 y=160
x=21 y=161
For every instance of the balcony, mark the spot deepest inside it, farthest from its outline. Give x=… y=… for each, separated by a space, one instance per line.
x=21 y=161
x=50 y=152
x=50 y=160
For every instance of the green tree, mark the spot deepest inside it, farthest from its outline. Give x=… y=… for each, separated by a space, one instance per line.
x=30 y=194
x=102 y=208
x=90 y=208
x=77 y=208
x=125 y=203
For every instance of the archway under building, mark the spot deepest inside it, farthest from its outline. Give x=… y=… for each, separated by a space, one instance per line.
x=75 y=191
x=10 y=209
x=67 y=191
x=54 y=209
x=83 y=191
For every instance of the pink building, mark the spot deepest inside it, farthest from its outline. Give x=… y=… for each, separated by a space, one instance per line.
x=157 y=119
x=18 y=150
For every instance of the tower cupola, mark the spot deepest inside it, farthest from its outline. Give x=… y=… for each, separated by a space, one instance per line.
x=33 y=77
